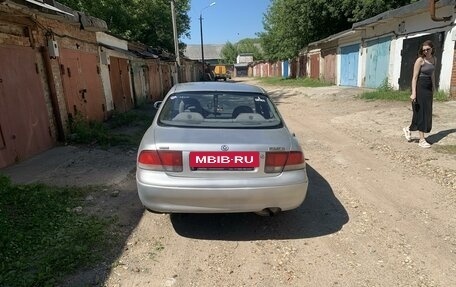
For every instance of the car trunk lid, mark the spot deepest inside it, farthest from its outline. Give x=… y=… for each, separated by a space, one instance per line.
x=223 y=152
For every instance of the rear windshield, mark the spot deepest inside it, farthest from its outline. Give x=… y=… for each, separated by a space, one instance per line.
x=219 y=110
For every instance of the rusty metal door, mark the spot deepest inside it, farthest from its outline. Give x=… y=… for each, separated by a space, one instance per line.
x=92 y=93
x=69 y=68
x=140 y=79
x=120 y=84
x=154 y=81
x=24 y=119
x=82 y=85
x=293 y=68
x=315 y=66
x=166 y=78
x=329 y=71
x=303 y=66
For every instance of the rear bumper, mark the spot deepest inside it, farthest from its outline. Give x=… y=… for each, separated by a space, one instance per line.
x=163 y=193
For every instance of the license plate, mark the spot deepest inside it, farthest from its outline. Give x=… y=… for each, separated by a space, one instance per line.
x=233 y=159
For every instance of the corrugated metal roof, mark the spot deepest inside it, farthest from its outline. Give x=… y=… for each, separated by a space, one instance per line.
x=333 y=37
x=47 y=6
x=211 y=52
x=117 y=49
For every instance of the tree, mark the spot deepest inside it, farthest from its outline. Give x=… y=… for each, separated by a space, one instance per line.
x=145 y=21
x=290 y=25
x=357 y=10
x=249 y=45
x=230 y=51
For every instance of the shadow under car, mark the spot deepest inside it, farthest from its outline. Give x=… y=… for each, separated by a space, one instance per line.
x=320 y=214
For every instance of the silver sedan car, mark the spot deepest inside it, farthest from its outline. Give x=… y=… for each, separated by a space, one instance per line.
x=216 y=147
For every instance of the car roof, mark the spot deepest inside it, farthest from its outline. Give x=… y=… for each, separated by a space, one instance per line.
x=216 y=86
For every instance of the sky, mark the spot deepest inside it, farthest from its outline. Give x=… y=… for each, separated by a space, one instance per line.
x=227 y=20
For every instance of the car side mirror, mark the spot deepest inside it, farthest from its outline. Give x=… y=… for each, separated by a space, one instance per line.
x=157 y=104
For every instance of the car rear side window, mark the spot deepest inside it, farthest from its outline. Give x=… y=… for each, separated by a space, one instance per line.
x=219 y=110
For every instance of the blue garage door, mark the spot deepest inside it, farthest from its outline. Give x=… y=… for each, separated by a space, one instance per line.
x=349 y=65
x=377 y=60
x=285 y=69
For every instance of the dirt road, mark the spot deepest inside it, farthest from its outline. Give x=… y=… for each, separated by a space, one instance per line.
x=380 y=210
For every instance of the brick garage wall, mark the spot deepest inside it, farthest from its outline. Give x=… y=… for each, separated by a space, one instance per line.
x=68 y=36
x=453 y=77
x=20 y=26
x=55 y=84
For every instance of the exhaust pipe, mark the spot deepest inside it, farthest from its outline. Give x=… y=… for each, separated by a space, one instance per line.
x=270 y=211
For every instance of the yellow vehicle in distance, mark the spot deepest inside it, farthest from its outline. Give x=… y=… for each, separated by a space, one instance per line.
x=221 y=72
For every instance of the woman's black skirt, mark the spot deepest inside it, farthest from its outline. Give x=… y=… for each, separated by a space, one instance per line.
x=422 y=107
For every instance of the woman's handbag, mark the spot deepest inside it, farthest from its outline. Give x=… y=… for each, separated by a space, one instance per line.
x=416 y=106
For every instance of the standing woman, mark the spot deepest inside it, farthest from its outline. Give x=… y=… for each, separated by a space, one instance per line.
x=423 y=86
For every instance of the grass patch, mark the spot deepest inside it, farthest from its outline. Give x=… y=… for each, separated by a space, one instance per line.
x=447 y=149
x=42 y=238
x=110 y=132
x=289 y=82
x=441 y=96
x=91 y=132
x=134 y=117
x=386 y=95
x=394 y=95
x=386 y=92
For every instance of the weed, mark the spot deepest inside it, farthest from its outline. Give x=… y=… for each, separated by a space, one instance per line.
x=441 y=96
x=42 y=239
x=157 y=248
x=383 y=94
x=298 y=82
x=385 y=86
x=134 y=117
x=84 y=131
x=386 y=92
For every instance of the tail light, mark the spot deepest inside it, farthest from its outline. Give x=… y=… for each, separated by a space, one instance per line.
x=161 y=160
x=277 y=162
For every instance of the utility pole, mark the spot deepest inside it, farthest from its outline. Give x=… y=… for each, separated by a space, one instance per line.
x=176 y=43
x=202 y=45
